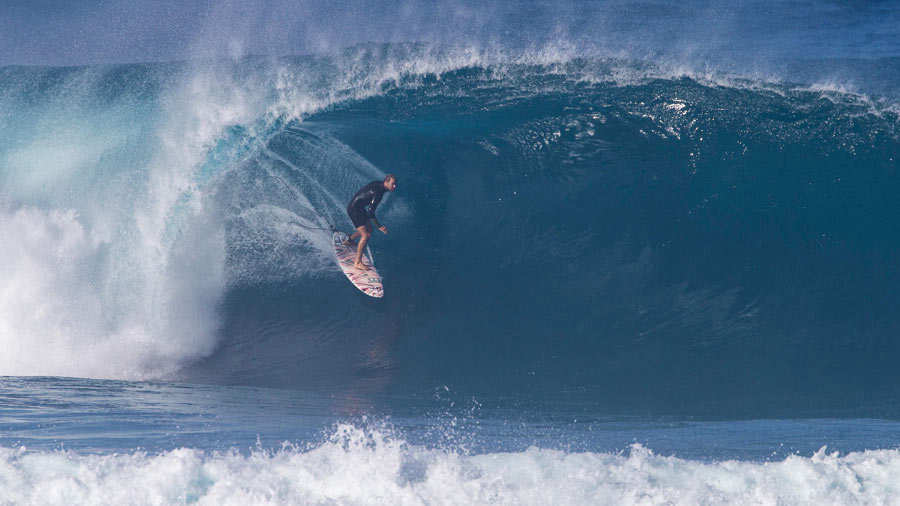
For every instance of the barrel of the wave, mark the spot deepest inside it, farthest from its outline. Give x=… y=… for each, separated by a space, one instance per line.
x=367 y=280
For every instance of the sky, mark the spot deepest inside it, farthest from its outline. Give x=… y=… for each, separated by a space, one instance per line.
x=66 y=32
x=54 y=32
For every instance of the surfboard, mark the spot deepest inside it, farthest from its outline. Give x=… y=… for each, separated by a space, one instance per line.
x=368 y=281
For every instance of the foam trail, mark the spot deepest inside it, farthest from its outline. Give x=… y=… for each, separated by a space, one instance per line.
x=362 y=466
x=279 y=227
x=334 y=201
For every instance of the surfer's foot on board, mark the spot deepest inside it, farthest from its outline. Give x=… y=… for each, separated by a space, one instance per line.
x=361 y=266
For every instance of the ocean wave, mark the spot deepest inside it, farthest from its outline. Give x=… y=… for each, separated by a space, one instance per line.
x=679 y=198
x=367 y=466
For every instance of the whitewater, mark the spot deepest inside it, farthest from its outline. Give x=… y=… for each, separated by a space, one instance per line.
x=358 y=467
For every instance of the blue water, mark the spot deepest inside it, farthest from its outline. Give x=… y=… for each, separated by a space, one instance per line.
x=627 y=263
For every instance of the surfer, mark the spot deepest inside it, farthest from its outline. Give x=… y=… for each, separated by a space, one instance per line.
x=362 y=209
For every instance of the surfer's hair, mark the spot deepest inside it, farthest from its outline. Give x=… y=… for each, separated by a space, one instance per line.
x=390 y=177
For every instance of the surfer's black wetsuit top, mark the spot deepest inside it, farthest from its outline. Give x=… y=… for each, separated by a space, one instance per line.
x=362 y=207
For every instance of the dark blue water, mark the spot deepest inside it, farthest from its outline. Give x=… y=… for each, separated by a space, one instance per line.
x=643 y=257
x=670 y=246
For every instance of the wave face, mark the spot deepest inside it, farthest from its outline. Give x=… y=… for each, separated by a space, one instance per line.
x=671 y=240
x=357 y=466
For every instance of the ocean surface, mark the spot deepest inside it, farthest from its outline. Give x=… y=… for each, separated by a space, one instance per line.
x=650 y=258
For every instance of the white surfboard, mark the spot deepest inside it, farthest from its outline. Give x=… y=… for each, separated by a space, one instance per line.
x=367 y=280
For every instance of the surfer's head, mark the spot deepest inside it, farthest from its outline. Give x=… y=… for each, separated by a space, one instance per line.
x=390 y=182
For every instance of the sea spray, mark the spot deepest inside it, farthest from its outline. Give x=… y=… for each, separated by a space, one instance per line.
x=356 y=465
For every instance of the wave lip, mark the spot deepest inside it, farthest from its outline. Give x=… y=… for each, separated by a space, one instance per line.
x=364 y=466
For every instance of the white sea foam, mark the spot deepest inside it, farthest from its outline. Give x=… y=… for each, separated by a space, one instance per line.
x=112 y=265
x=71 y=307
x=359 y=466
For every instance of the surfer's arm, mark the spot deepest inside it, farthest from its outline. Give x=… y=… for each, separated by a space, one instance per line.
x=370 y=211
x=379 y=226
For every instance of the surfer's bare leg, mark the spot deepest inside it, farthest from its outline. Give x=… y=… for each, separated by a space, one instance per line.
x=352 y=238
x=364 y=233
